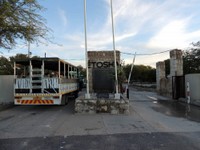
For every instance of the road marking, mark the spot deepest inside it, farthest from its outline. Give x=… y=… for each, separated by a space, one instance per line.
x=153 y=98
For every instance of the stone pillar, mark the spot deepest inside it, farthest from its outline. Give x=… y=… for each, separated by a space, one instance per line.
x=176 y=63
x=160 y=73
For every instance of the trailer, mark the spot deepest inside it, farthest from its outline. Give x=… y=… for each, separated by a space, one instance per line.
x=44 y=81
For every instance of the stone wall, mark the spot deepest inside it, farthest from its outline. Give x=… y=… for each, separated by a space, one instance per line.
x=103 y=56
x=166 y=87
x=164 y=84
x=101 y=66
x=160 y=73
x=176 y=63
x=94 y=105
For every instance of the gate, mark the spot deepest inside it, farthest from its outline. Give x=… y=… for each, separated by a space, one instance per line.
x=178 y=87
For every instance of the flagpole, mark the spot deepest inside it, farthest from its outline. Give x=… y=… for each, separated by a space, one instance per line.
x=29 y=44
x=87 y=95
x=117 y=95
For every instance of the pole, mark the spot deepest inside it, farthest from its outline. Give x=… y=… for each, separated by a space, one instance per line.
x=117 y=95
x=29 y=47
x=29 y=44
x=14 y=70
x=58 y=69
x=188 y=92
x=129 y=77
x=87 y=95
x=130 y=73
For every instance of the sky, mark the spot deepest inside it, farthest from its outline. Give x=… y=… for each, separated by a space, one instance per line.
x=141 y=27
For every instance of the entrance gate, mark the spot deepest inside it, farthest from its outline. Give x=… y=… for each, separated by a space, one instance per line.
x=178 y=87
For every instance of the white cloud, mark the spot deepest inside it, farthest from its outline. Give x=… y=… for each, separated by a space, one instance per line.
x=149 y=60
x=98 y=41
x=133 y=15
x=145 y=26
x=102 y=39
x=173 y=35
x=63 y=16
x=167 y=21
x=130 y=18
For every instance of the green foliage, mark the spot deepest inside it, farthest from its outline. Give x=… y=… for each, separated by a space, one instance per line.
x=191 y=59
x=121 y=75
x=6 y=65
x=18 y=56
x=19 y=20
x=6 y=68
x=140 y=73
x=82 y=71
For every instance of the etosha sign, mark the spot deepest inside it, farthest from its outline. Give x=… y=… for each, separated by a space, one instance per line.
x=104 y=64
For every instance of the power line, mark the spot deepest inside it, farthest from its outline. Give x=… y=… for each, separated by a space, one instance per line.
x=74 y=59
x=129 y=54
x=145 y=54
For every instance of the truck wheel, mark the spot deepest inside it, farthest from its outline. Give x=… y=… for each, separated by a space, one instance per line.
x=63 y=100
x=66 y=100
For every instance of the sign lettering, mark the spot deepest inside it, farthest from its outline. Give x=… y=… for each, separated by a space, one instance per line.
x=104 y=64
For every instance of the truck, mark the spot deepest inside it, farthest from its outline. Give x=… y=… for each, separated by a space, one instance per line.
x=44 y=81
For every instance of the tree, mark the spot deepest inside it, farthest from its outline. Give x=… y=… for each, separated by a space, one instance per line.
x=6 y=68
x=18 y=56
x=82 y=71
x=140 y=73
x=6 y=65
x=191 y=59
x=19 y=20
